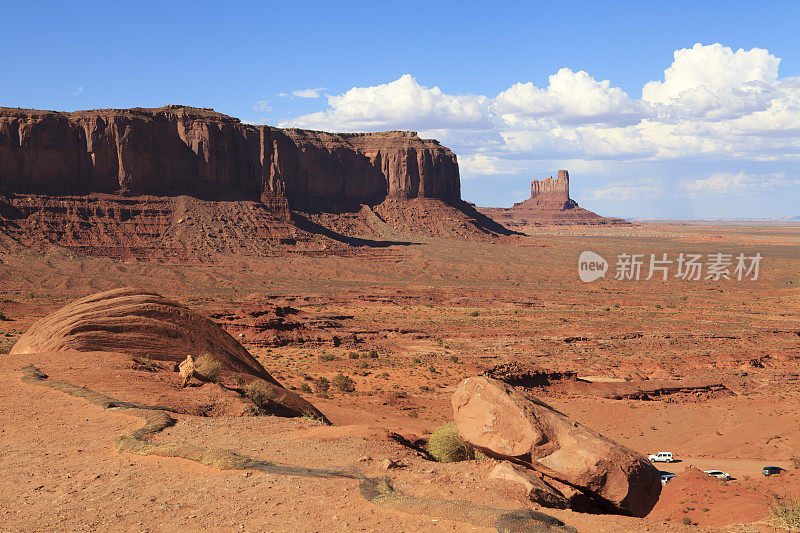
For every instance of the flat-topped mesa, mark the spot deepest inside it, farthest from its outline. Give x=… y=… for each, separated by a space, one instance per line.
x=552 y=192
x=178 y=150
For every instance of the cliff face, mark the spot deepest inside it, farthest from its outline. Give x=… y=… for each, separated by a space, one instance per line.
x=552 y=193
x=178 y=150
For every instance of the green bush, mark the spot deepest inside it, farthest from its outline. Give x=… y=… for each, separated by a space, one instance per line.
x=416 y=360
x=336 y=341
x=327 y=357
x=474 y=313
x=454 y=359
x=343 y=383
x=372 y=354
x=447 y=447
x=352 y=355
x=305 y=388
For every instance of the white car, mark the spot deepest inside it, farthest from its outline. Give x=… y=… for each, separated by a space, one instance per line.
x=666 y=477
x=661 y=457
x=719 y=474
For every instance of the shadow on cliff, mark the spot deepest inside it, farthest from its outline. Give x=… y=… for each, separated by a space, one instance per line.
x=483 y=222
x=310 y=226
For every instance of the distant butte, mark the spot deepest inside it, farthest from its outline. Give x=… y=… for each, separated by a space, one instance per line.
x=549 y=205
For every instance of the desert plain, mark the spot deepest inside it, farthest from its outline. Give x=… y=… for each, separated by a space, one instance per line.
x=705 y=369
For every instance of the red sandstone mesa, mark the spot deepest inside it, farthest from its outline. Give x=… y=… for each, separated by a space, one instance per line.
x=193 y=181
x=183 y=150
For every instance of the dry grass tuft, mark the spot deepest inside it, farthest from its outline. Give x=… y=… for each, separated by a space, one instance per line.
x=261 y=394
x=447 y=447
x=785 y=511
x=208 y=368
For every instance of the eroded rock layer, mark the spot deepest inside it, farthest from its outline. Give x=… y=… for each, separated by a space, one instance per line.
x=182 y=180
x=176 y=150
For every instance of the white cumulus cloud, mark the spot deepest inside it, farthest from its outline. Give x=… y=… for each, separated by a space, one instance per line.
x=713 y=105
x=570 y=98
x=401 y=104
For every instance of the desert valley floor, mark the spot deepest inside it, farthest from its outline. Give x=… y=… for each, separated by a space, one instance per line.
x=705 y=369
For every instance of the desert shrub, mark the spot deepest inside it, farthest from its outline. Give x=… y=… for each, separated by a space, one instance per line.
x=343 y=383
x=474 y=313
x=686 y=521
x=795 y=461
x=785 y=511
x=145 y=363
x=322 y=385
x=453 y=359
x=447 y=447
x=392 y=397
x=352 y=355
x=327 y=357
x=3 y=316
x=416 y=360
x=363 y=364
x=606 y=309
x=432 y=369
x=336 y=341
x=305 y=388
x=261 y=394
x=372 y=354
x=208 y=367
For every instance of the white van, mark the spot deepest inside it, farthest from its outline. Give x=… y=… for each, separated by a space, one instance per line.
x=661 y=457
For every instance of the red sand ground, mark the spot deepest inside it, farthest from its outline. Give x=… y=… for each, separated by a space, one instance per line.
x=435 y=311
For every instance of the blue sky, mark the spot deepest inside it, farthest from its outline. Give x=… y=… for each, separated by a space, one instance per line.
x=517 y=90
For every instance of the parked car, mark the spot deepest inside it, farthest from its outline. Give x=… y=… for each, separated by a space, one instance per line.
x=771 y=470
x=661 y=457
x=666 y=477
x=719 y=474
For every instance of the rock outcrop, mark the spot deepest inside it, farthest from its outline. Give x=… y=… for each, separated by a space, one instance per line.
x=176 y=150
x=124 y=181
x=152 y=329
x=549 y=204
x=498 y=420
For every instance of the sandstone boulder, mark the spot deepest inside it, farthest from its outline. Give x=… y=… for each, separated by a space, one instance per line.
x=538 y=490
x=149 y=327
x=498 y=420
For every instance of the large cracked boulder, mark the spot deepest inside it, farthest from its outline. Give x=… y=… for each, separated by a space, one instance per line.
x=159 y=332
x=496 y=419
